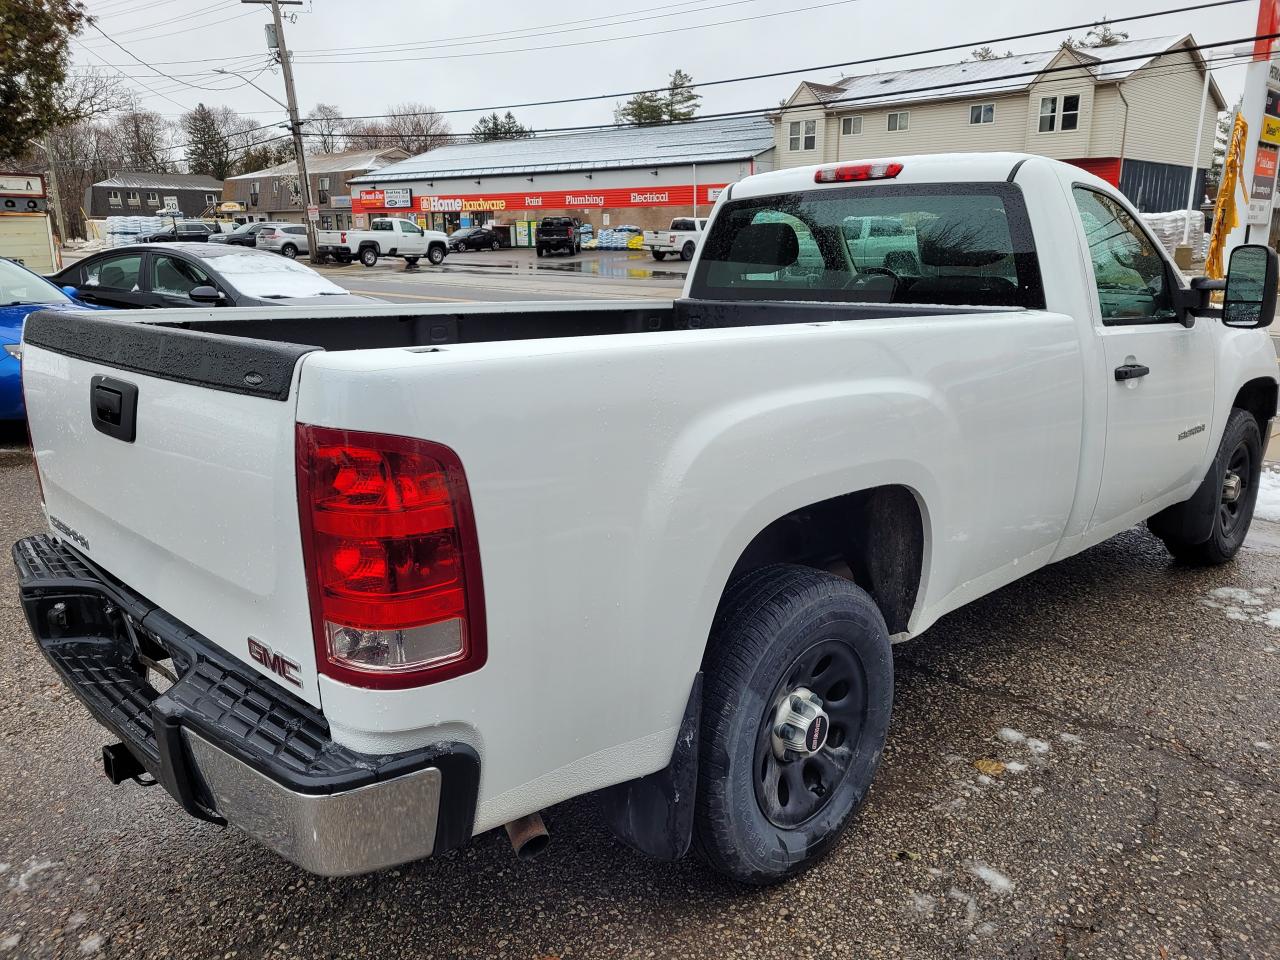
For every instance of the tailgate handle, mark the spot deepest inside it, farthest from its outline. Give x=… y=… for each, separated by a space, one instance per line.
x=113 y=407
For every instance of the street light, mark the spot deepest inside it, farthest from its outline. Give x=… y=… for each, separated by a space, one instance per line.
x=252 y=84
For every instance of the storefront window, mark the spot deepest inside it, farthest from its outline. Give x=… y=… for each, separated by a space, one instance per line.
x=326 y=222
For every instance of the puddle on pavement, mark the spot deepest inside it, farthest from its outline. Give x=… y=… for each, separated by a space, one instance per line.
x=633 y=267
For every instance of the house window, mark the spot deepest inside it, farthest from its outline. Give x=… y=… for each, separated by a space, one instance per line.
x=802 y=135
x=850 y=126
x=899 y=121
x=324 y=191
x=1071 y=112
x=153 y=200
x=209 y=198
x=982 y=113
x=113 y=198
x=132 y=198
x=1048 y=114
x=275 y=188
x=253 y=192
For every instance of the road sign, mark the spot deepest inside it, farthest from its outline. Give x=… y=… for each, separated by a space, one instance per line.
x=313 y=212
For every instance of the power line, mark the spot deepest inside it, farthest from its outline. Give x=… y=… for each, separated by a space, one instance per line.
x=167 y=76
x=865 y=61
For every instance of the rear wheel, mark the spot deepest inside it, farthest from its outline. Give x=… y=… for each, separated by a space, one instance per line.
x=659 y=254
x=1233 y=481
x=796 y=704
x=369 y=256
x=687 y=251
x=290 y=251
x=542 y=252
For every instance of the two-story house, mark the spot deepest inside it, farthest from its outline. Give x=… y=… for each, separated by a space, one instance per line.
x=1126 y=112
x=276 y=192
x=140 y=193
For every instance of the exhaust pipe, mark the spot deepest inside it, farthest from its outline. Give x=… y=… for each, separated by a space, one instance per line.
x=528 y=836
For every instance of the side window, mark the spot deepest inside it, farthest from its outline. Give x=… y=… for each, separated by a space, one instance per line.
x=176 y=278
x=1131 y=276
x=382 y=225
x=114 y=273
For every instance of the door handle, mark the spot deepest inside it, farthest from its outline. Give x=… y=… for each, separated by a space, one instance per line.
x=1131 y=371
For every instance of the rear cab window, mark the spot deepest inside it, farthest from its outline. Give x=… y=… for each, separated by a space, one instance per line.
x=949 y=244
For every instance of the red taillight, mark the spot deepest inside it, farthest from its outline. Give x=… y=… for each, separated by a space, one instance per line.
x=342 y=237
x=851 y=172
x=392 y=563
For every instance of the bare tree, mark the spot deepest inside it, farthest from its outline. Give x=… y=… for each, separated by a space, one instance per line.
x=415 y=127
x=326 y=128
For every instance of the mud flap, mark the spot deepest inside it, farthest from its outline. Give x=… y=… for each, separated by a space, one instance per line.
x=654 y=814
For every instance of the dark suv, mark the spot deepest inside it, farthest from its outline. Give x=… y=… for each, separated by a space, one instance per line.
x=186 y=231
x=558 y=233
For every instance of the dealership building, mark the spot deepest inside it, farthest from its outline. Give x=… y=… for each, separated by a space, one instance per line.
x=640 y=176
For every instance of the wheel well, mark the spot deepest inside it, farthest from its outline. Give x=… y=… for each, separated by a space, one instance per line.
x=1259 y=398
x=367 y=245
x=873 y=537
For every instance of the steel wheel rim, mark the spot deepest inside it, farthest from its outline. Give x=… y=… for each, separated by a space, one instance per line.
x=1231 y=505
x=790 y=793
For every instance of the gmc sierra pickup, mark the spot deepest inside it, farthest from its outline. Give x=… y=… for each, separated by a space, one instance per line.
x=365 y=582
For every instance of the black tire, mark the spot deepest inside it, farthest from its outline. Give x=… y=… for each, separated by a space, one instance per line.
x=368 y=256
x=688 y=250
x=659 y=254
x=290 y=251
x=495 y=246
x=435 y=254
x=542 y=252
x=344 y=259
x=412 y=261
x=776 y=627
x=1239 y=456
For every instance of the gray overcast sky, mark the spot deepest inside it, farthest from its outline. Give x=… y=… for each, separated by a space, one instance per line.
x=188 y=38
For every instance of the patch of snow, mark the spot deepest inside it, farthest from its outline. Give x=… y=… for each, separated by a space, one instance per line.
x=1236 y=595
x=970 y=905
x=91 y=944
x=1262 y=745
x=1014 y=767
x=1009 y=735
x=34 y=868
x=10 y=942
x=1272 y=619
x=1071 y=739
x=1037 y=746
x=924 y=904
x=933 y=871
x=993 y=878
x=1036 y=791
x=985 y=780
x=1268 y=505
x=76 y=920
x=985 y=929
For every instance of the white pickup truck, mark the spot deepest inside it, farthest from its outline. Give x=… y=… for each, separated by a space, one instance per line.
x=324 y=580
x=680 y=239
x=386 y=237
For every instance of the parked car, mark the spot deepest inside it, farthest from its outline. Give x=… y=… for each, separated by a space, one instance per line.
x=474 y=238
x=286 y=239
x=471 y=560
x=246 y=235
x=21 y=294
x=386 y=237
x=185 y=231
x=680 y=239
x=557 y=233
x=197 y=275
x=882 y=242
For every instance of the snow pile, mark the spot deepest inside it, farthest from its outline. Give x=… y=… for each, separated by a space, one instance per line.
x=1268 y=505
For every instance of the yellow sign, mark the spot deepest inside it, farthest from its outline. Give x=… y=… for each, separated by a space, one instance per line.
x=230 y=206
x=1271 y=129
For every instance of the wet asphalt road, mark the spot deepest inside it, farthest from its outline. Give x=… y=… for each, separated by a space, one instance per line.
x=1135 y=815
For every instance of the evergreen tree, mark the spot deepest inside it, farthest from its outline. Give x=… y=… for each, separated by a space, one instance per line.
x=35 y=52
x=642 y=110
x=494 y=127
x=208 y=151
x=680 y=102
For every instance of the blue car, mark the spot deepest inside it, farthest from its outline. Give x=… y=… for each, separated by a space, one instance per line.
x=22 y=292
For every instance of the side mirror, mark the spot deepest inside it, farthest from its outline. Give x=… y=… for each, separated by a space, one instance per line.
x=71 y=292
x=1250 y=298
x=206 y=294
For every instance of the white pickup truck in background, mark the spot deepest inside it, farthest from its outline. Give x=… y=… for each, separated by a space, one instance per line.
x=386 y=237
x=680 y=239
x=398 y=607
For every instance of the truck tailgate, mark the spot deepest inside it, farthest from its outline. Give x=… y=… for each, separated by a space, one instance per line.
x=197 y=511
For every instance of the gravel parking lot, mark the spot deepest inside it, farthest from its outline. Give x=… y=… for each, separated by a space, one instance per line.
x=1082 y=765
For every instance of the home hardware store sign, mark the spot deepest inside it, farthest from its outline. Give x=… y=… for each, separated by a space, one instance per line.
x=370 y=201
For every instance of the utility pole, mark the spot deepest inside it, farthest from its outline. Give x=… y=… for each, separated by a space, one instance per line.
x=295 y=124
x=54 y=193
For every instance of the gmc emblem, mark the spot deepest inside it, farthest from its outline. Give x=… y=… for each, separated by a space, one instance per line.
x=277 y=663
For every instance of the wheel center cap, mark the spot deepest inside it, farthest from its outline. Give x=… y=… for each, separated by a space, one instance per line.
x=800 y=725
